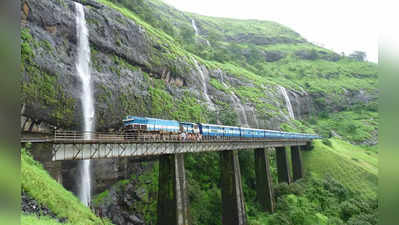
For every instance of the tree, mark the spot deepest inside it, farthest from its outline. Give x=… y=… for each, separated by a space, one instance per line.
x=358 y=55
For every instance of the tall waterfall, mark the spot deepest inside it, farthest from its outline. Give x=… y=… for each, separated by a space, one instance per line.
x=87 y=100
x=204 y=87
x=287 y=102
x=195 y=27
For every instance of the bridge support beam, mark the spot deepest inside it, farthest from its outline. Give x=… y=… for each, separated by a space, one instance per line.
x=297 y=166
x=172 y=191
x=264 y=188
x=233 y=207
x=283 y=170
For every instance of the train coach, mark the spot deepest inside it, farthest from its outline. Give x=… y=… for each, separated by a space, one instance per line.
x=195 y=131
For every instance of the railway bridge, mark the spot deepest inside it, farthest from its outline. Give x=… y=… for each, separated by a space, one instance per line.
x=173 y=205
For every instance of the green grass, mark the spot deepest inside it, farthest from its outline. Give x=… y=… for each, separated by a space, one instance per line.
x=363 y=158
x=34 y=220
x=336 y=161
x=353 y=126
x=38 y=184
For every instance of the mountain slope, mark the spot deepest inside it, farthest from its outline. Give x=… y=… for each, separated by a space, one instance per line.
x=348 y=164
x=38 y=184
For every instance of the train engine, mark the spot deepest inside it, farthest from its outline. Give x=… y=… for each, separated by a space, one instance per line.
x=150 y=128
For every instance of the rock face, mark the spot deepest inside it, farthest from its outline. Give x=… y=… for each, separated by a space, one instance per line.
x=123 y=200
x=123 y=69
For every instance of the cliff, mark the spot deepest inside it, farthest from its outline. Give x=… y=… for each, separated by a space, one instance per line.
x=149 y=59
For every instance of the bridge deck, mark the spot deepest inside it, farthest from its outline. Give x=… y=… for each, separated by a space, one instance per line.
x=79 y=146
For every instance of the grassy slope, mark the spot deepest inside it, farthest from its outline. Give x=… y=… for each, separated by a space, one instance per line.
x=38 y=184
x=338 y=161
x=34 y=220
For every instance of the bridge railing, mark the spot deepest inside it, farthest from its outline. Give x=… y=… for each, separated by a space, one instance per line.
x=79 y=136
x=118 y=136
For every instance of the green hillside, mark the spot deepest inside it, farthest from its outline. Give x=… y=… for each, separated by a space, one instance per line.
x=353 y=166
x=38 y=184
x=34 y=220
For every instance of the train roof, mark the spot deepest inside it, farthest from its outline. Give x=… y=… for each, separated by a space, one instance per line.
x=128 y=118
x=216 y=125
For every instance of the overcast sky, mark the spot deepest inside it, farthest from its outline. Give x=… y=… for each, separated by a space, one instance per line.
x=340 y=25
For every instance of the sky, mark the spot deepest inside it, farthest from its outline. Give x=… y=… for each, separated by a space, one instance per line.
x=339 y=25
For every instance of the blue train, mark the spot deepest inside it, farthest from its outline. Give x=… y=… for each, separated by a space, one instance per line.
x=145 y=125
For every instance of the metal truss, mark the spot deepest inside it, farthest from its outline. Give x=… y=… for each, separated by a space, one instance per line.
x=81 y=151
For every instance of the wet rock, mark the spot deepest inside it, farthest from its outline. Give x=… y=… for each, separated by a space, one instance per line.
x=119 y=205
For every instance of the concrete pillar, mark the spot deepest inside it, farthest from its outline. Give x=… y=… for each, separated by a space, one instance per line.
x=264 y=188
x=172 y=191
x=283 y=170
x=296 y=158
x=233 y=207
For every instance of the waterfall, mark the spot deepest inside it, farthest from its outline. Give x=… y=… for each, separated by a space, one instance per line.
x=237 y=102
x=197 y=32
x=204 y=87
x=287 y=102
x=195 y=27
x=83 y=69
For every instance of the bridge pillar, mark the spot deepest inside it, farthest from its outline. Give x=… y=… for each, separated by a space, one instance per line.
x=283 y=170
x=233 y=207
x=297 y=167
x=172 y=191
x=264 y=188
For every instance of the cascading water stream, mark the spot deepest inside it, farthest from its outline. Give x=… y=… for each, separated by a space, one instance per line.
x=204 y=87
x=243 y=118
x=195 y=27
x=287 y=102
x=87 y=100
x=197 y=32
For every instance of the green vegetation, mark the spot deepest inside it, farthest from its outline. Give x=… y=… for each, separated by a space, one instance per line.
x=216 y=83
x=34 y=220
x=320 y=201
x=37 y=183
x=187 y=108
x=338 y=162
x=147 y=183
x=39 y=86
x=354 y=126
